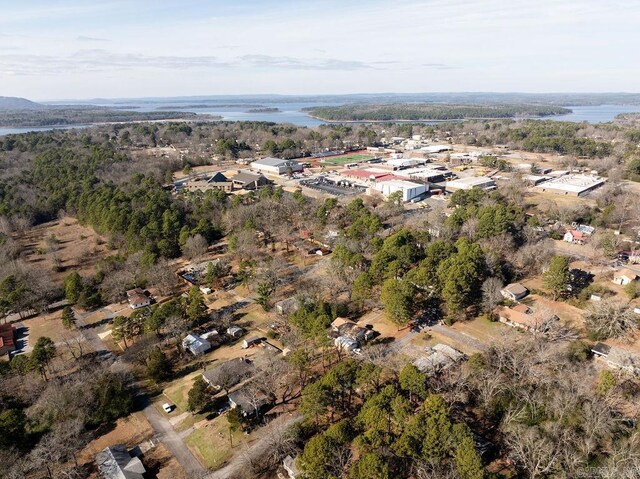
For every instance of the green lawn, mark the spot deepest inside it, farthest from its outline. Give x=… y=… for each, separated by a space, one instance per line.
x=179 y=390
x=211 y=443
x=341 y=160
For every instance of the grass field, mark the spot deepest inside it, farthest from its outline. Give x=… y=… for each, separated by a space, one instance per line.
x=211 y=443
x=341 y=160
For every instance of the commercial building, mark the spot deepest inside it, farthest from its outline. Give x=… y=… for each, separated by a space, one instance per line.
x=571 y=184
x=403 y=163
x=483 y=182
x=431 y=173
x=203 y=183
x=276 y=166
x=248 y=181
x=409 y=189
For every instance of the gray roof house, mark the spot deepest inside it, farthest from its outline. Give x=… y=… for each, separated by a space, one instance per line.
x=514 y=291
x=115 y=462
x=229 y=373
x=195 y=344
x=248 y=399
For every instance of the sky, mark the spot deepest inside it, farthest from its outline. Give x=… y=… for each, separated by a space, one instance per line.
x=79 y=49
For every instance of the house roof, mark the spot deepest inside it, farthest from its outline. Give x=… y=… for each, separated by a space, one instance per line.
x=516 y=289
x=7 y=339
x=517 y=317
x=439 y=357
x=115 y=462
x=601 y=349
x=230 y=372
x=576 y=234
x=138 y=299
x=340 y=321
x=135 y=291
x=521 y=308
x=627 y=273
x=246 y=401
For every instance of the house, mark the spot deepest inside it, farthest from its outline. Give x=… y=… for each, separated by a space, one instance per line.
x=250 y=400
x=287 y=306
x=248 y=181
x=195 y=344
x=289 y=469
x=253 y=341
x=7 y=339
x=574 y=236
x=514 y=292
x=335 y=325
x=438 y=358
x=346 y=344
x=276 y=166
x=618 y=358
x=229 y=373
x=235 y=331
x=519 y=316
x=137 y=298
x=624 y=276
x=115 y=462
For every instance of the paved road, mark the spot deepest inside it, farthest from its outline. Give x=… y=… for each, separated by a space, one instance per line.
x=238 y=463
x=173 y=441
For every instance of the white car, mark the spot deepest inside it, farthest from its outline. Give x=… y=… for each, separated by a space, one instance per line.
x=167 y=407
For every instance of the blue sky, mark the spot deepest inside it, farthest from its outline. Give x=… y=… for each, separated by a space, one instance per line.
x=72 y=49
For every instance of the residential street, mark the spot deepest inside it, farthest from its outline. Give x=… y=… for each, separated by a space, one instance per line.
x=239 y=462
x=170 y=438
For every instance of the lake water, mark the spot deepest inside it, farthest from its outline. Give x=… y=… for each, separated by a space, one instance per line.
x=291 y=112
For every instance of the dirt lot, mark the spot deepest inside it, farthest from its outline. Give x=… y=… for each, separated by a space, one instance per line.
x=75 y=247
x=130 y=431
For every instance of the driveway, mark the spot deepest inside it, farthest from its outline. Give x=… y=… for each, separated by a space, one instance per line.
x=173 y=441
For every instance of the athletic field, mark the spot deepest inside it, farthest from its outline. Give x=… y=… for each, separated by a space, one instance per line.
x=353 y=158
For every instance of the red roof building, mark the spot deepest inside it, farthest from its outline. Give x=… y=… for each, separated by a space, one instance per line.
x=7 y=338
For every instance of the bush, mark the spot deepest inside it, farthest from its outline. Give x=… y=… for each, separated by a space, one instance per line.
x=578 y=351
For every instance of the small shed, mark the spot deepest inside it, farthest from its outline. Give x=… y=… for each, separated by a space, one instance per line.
x=235 y=331
x=249 y=342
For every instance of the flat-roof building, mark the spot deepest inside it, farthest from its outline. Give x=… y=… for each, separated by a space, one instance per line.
x=483 y=182
x=571 y=185
x=276 y=166
x=409 y=189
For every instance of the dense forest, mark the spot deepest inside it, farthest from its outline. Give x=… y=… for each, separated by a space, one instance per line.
x=61 y=116
x=425 y=112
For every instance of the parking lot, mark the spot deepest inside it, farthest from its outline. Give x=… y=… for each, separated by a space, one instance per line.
x=326 y=186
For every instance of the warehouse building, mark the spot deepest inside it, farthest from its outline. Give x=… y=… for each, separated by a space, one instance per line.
x=409 y=189
x=276 y=166
x=571 y=185
x=483 y=182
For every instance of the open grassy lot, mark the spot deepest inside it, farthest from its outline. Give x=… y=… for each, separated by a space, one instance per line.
x=352 y=158
x=211 y=445
x=130 y=431
x=65 y=243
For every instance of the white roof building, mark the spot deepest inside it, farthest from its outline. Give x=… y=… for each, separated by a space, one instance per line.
x=401 y=163
x=571 y=185
x=409 y=189
x=483 y=182
x=275 y=166
x=439 y=357
x=195 y=344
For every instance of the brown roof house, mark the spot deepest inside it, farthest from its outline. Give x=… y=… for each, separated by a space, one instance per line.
x=137 y=298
